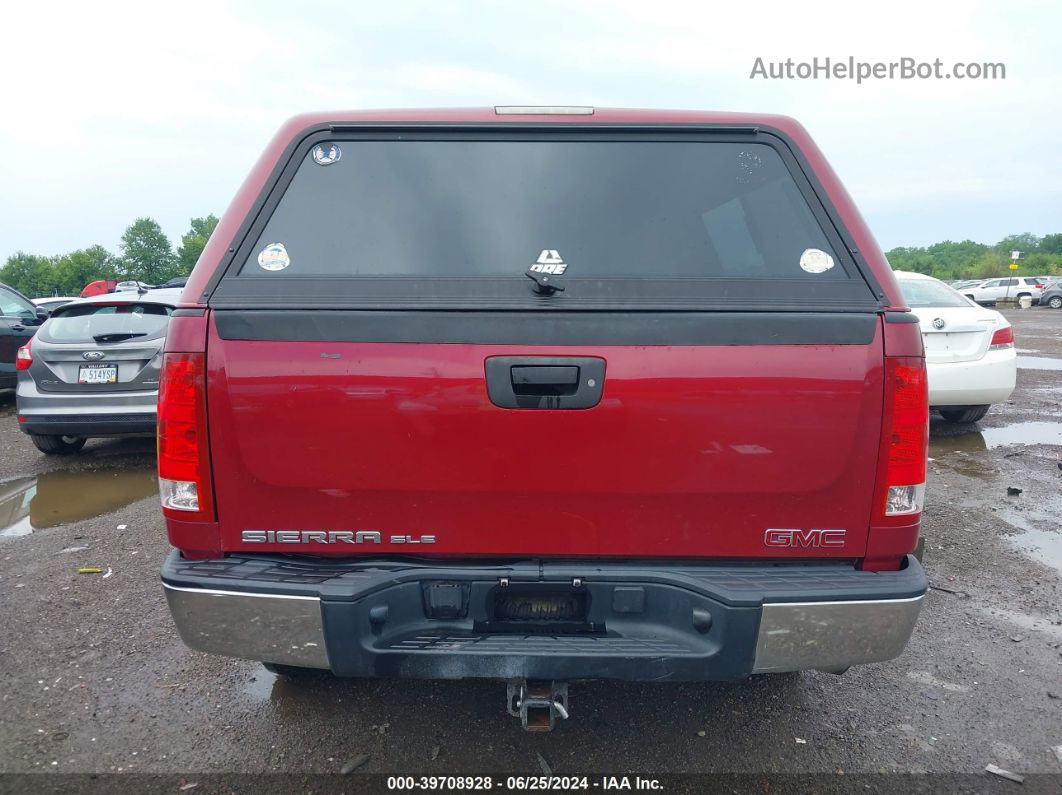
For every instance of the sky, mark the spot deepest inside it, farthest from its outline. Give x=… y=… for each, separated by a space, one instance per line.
x=113 y=111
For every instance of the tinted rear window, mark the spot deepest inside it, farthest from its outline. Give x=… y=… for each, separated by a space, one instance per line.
x=492 y=208
x=90 y=322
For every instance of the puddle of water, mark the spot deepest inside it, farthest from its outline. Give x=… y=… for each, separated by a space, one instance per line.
x=260 y=689
x=15 y=498
x=20 y=528
x=281 y=692
x=1039 y=363
x=969 y=442
x=1044 y=545
x=54 y=498
x=1023 y=433
x=1020 y=433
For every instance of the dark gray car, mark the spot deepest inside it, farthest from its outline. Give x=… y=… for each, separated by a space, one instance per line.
x=1052 y=295
x=93 y=370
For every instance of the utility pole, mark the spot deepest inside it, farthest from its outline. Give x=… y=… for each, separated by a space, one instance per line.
x=1014 y=257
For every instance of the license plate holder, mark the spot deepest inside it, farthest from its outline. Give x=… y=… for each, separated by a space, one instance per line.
x=98 y=374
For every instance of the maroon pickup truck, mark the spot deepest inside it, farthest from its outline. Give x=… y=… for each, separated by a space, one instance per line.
x=542 y=395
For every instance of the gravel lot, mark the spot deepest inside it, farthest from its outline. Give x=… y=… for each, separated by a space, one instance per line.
x=95 y=680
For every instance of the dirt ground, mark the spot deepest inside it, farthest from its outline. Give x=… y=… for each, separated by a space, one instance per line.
x=95 y=680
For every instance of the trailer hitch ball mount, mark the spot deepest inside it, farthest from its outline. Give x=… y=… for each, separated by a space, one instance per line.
x=537 y=704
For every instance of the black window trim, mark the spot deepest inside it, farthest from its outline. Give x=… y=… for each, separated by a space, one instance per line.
x=549 y=327
x=294 y=154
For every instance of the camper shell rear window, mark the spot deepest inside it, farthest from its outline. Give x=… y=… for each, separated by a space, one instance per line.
x=440 y=221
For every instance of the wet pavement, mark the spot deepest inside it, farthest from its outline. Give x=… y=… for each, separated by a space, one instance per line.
x=969 y=438
x=94 y=679
x=49 y=499
x=1039 y=363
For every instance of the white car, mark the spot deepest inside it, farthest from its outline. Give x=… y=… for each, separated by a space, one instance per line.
x=991 y=290
x=51 y=302
x=970 y=353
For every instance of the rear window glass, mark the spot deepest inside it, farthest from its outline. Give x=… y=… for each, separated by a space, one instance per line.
x=108 y=323
x=604 y=209
x=919 y=292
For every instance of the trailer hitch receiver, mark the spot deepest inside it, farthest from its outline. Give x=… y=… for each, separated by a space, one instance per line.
x=537 y=703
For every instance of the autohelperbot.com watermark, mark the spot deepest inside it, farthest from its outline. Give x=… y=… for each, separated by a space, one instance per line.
x=850 y=68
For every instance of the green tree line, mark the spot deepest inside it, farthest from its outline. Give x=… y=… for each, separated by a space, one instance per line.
x=145 y=254
x=1041 y=256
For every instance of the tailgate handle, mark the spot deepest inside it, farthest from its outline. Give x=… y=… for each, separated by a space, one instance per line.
x=545 y=375
x=533 y=382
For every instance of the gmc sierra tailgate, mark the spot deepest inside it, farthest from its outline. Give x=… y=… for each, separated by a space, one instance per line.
x=384 y=378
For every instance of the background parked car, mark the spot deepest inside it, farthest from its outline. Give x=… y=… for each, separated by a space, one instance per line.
x=52 y=302
x=176 y=281
x=1052 y=295
x=19 y=320
x=970 y=356
x=93 y=370
x=992 y=290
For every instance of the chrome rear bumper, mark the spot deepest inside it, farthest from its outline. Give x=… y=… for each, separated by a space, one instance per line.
x=832 y=636
x=669 y=631
x=268 y=627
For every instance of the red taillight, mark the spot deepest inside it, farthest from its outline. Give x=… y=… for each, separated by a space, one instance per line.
x=1003 y=338
x=24 y=357
x=184 y=463
x=905 y=437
